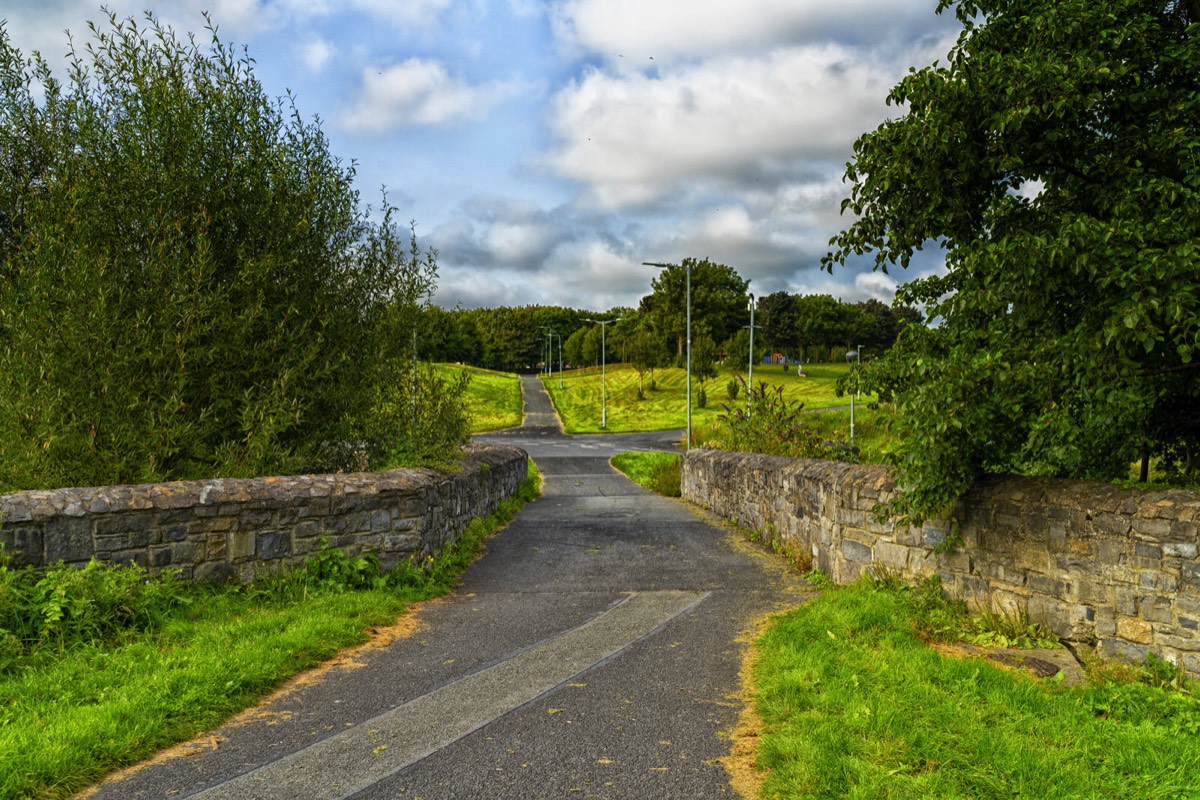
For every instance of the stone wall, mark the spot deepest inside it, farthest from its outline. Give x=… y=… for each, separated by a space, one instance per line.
x=1094 y=562
x=231 y=528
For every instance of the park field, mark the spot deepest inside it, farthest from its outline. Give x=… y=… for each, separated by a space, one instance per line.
x=493 y=398
x=578 y=401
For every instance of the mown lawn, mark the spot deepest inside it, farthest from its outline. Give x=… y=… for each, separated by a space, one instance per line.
x=493 y=398
x=665 y=407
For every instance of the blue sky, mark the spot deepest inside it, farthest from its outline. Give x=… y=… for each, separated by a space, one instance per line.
x=546 y=149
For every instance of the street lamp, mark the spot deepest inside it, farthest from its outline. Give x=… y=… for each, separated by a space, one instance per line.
x=750 y=377
x=603 y=384
x=852 y=354
x=550 y=360
x=688 y=270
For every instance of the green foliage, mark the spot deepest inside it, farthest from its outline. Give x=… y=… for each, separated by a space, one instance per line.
x=773 y=425
x=718 y=302
x=658 y=472
x=65 y=607
x=817 y=577
x=854 y=704
x=733 y=388
x=1053 y=159
x=191 y=287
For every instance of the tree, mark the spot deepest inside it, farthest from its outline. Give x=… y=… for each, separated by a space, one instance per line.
x=189 y=286
x=1054 y=159
x=821 y=323
x=719 y=301
x=643 y=348
x=778 y=316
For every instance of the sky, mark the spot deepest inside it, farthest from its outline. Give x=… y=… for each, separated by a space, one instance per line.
x=546 y=148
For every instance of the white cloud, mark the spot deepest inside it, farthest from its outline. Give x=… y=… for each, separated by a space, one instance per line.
x=419 y=92
x=634 y=31
x=317 y=53
x=404 y=12
x=631 y=139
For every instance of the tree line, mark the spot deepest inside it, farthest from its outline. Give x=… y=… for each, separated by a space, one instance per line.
x=799 y=327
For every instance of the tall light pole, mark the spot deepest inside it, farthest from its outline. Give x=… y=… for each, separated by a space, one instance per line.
x=750 y=371
x=852 y=354
x=603 y=383
x=687 y=268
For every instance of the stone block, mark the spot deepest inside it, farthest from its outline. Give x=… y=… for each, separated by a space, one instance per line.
x=1052 y=587
x=381 y=521
x=1132 y=629
x=68 y=540
x=1112 y=551
x=1111 y=524
x=1146 y=550
x=1189 y=575
x=1105 y=620
x=1179 y=550
x=1123 y=650
x=240 y=545
x=1151 y=527
x=1155 y=608
x=892 y=556
x=161 y=556
x=214 y=572
x=273 y=545
x=856 y=552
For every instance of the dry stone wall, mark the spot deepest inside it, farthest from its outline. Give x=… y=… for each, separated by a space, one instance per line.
x=1094 y=562
x=232 y=528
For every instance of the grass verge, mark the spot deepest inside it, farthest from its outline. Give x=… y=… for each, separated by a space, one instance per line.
x=493 y=398
x=70 y=715
x=854 y=704
x=658 y=472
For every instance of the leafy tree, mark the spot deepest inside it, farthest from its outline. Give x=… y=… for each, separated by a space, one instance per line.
x=643 y=348
x=1054 y=159
x=822 y=323
x=189 y=285
x=778 y=315
x=718 y=301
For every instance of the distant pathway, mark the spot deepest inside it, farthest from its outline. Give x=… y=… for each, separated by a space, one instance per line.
x=591 y=652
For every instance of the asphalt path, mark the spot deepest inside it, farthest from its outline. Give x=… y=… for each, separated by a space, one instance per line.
x=591 y=652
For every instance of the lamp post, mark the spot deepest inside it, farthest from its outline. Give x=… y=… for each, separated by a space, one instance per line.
x=603 y=383
x=688 y=270
x=750 y=371
x=852 y=354
x=550 y=360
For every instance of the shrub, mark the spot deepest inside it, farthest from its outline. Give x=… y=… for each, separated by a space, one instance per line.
x=192 y=287
x=771 y=425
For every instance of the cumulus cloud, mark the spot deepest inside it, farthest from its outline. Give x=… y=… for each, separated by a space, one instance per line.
x=631 y=32
x=316 y=54
x=750 y=122
x=419 y=92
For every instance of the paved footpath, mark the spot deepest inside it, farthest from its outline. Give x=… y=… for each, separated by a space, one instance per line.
x=591 y=652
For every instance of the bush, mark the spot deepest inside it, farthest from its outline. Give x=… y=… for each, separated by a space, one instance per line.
x=771 y=425
x=192 y=287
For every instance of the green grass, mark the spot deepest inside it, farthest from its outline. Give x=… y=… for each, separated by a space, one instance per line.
x=67 y=719
x=855 y=705
x=658 y=472
x=579 y=401
x=493 y=398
